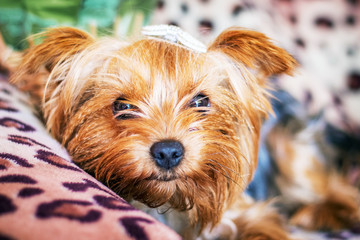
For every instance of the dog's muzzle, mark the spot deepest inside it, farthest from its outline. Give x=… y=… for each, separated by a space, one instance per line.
x=167 y=153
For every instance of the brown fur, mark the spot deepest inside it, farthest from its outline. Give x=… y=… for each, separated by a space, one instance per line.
x=323 y=199
x=86 y=76
x=337 y=210
x=248 y=220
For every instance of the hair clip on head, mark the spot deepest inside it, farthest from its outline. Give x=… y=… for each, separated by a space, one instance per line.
x=174 y=35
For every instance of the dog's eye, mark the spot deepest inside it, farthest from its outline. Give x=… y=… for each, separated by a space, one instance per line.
x=123 y=110
x=200 y=100
x=121 y=104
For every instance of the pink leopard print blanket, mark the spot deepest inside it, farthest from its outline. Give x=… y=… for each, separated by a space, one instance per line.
x=43 y=195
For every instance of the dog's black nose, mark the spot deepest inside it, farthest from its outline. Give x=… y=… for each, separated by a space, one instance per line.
x=167 y=154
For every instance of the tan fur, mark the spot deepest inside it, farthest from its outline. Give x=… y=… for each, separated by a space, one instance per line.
x=258 y=221
x=339 y=209
x=251 y=221
x=86 y=76
x=324 y=200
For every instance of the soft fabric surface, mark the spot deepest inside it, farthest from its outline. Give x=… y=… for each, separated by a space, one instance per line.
x=43 y=195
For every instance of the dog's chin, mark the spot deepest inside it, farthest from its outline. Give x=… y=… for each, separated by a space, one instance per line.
x=163 y=178
x=166 y=176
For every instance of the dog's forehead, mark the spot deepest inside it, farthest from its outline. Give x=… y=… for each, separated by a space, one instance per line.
x=163 y=55
x=154 y=65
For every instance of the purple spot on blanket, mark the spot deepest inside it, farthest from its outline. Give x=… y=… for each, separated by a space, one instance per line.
x=29 y=192
x=113 y=203
x=4 y=90
x=25 y=141
x=83 y=186
x=17 y=178
x=9 y=122
x=18 y=160
x=55 y=160
x=131 y=224
x=4 y=105
x=69 y=209
x=6 y=205
x=2 y=167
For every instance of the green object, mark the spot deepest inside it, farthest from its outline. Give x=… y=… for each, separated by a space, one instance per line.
x=101 y=14
x=13 y=23
x=62 y=11
x=21 y=18
x=144 y=6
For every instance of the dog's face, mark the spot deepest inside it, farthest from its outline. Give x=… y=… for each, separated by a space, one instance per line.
x=155 y=121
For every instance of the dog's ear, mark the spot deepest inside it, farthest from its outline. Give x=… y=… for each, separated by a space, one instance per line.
x=254 y=50
x=57 y=45
x=44 y=69
x=37 y=62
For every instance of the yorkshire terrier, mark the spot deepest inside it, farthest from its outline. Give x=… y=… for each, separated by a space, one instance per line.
x=163 y=121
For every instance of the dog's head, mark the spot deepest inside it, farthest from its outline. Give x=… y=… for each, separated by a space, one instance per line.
x=158 y=122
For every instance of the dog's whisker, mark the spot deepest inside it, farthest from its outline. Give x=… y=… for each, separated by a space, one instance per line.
x=223 y=166
x=226 y=176
x=226 y=169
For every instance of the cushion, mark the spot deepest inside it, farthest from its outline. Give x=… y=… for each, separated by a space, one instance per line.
x=44 y=195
